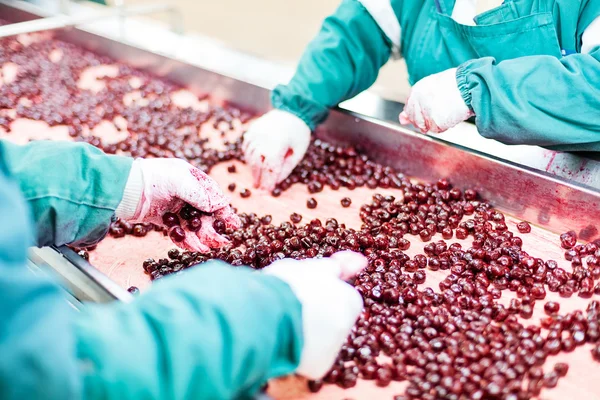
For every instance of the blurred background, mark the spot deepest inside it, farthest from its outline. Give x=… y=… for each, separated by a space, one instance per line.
x=276 y=30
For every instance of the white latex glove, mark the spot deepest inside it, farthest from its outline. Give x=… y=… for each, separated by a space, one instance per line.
x=273 y=146
x=435 y=104
x=330 y=306
x=159 y=185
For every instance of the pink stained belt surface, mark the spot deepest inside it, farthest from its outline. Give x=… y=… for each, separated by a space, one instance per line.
x=121 y=259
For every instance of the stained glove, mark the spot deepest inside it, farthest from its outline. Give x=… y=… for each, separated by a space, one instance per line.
x=435 y=104
x=160 y=185
x=274 y=145
x=330 y=306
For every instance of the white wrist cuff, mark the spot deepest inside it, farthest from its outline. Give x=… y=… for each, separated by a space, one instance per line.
x=132 y=194
x=288 y=120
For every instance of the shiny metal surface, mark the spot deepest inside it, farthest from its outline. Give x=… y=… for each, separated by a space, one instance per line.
x=80 y=278
x=536 y=196
x=66 y=21
x=558 y=191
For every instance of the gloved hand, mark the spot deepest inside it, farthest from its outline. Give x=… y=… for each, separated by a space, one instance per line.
x=435 y=104
x=160 y=185
x=274 y=145
x=330 y=306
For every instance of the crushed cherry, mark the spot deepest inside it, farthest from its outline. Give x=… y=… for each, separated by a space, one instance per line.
x=524 y=227
x=133 y=290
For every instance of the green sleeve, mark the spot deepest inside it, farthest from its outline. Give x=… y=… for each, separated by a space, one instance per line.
x=37 y=344
x=342 y=61
x=72 y=189
x=219 y=332
x=538 y=100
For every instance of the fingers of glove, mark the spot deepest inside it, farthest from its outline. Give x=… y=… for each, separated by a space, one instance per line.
x=229 y=216
x=404 y=120
x=294 y=271
x=252 y=150
x=434 y=119
x=253 y=159
x=342 y=265
x=433 y=127
x=421 y=120
x=248 y=148
x=200 y=190
x=413 y=113
x=193 y=243
x=329 y=310
x=252 y=135
x=246 y=143
x=266 y=169
x=426 y=122
x=249 y=140
x=292 y=158
x=351 y=263
x=404 y=117
x=415 y=116
x=208 y=236
x=258 y=132
x=271 y=171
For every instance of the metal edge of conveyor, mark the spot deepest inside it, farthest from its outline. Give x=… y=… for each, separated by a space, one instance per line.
x=39 y=268
x=62 y=21
x=81 y=280
x=481 y=154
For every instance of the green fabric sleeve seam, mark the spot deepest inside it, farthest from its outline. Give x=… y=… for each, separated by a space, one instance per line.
x=83 y=203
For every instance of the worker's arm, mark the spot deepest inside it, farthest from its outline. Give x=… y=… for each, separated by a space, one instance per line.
x=342 y=61
x=37 y=344
x=540 y=100
x=73 y=189
x=218 y=333
x=191 y=338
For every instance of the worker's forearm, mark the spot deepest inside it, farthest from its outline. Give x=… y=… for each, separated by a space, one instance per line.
x=342 y=61
x=37 y=347
x=538 y=100
x=217 y=333
x=73 y=189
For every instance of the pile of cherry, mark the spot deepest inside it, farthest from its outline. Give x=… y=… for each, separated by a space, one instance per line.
x=456 y=342
x=157 y=129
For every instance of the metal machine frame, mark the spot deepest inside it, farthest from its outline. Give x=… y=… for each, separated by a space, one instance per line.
x=65 y=19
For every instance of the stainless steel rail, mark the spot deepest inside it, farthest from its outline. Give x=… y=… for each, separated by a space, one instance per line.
x=79 y=278
x=66 y=21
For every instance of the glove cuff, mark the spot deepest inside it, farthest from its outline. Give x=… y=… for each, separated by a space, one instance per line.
x=307 y=110
x=132 y=194
x=284 y=117
x=463 y=84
